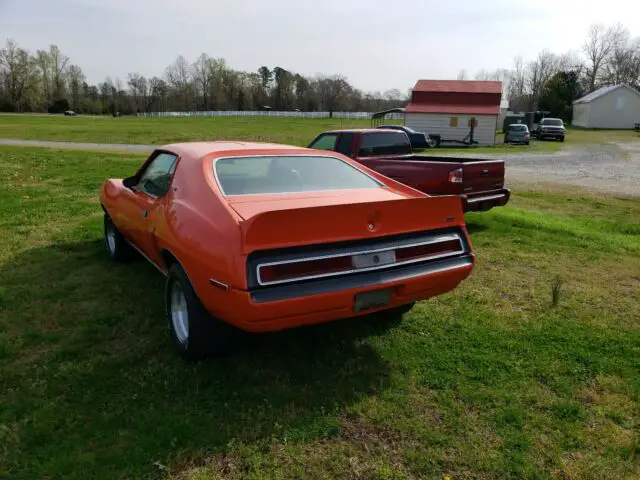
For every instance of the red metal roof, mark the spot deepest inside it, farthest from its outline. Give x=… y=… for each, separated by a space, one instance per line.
x=458 y=86
x=477 y=97
x=448 y=108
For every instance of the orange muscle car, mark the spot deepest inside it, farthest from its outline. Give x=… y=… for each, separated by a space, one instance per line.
x=266 y=237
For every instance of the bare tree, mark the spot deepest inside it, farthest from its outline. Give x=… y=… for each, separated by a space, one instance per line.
x=394 y=95
x=178 y=77
x=58 y=69
x=43 y=62
x=17 y=67
x=157 y=94
x=600 y=45
x=139 y=88
x=538 y=73
x=462 y=74
x=76 y=78
x=623 y=63
x=203 y=77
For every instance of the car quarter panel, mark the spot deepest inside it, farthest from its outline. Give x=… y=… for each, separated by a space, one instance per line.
x=201 y=232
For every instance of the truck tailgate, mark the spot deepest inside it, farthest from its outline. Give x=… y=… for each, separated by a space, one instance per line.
x=482 y=176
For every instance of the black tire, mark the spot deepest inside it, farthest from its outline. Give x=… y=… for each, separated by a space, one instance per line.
x=562 y=139
x=205 y=335
x=117 y=247
x=527 y=142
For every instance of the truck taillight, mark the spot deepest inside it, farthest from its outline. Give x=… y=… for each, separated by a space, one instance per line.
x=455 y=176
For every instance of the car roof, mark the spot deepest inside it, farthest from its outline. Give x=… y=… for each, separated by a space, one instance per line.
x=359 y=130
x=201 y=149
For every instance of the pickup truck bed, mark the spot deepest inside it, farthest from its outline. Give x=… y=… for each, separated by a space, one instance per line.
x=478 y=181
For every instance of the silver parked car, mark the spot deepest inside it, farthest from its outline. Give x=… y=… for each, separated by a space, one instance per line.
x=517 y=133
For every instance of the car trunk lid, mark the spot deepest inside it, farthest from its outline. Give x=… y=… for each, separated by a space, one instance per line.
x=335 y=219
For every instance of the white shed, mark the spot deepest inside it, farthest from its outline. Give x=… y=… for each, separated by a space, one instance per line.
x=615 y=106
x=449 y=107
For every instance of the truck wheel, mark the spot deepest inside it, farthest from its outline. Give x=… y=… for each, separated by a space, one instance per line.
x=117 y=247
x=194 y=333
x=562 y=139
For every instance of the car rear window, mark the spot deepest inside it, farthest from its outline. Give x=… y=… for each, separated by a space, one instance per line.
x=388 y=143
x=288 y=174
x=518 y=128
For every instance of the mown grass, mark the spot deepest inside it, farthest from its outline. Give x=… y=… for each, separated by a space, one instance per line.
x=163 y=130
x=591 y=136
x=491 y=381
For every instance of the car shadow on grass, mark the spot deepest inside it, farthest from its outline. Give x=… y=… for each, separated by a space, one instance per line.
x=475 y=227
x=89 y=363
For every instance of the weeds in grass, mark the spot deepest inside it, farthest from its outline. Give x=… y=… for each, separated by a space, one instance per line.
x=556 y=290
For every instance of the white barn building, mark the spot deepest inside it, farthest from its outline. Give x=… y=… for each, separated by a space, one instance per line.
x=447 y=107
x=615 y=106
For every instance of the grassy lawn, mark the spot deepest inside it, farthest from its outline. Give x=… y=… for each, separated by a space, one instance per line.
x=489 y=382
x=590 y=136
x=158 y=131
x=163 y=130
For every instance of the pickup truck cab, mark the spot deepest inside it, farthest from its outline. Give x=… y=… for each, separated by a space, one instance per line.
x=478 y=181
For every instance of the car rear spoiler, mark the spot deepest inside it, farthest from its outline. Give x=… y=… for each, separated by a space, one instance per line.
x=356 y=221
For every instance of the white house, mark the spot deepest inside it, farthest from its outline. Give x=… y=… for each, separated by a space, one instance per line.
x=615 y=106
x=447 y=108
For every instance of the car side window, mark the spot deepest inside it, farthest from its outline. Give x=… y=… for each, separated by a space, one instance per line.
x=345 y=144
x=156 y=178
x=325 y=142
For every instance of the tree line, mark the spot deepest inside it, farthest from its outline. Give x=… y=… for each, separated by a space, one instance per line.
x=48 y=82
x=551 y=82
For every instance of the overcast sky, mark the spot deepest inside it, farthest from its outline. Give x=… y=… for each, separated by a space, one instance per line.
x=376 y=44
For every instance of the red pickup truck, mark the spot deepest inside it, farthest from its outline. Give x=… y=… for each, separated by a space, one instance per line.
x=478 y=181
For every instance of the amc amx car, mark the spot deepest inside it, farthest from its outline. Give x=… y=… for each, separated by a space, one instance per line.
x=265 y=237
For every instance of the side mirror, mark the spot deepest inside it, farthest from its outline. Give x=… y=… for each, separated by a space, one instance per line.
x=130 y=182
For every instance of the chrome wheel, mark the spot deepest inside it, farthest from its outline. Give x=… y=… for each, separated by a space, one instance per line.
x=111 y=238
x=179 y=313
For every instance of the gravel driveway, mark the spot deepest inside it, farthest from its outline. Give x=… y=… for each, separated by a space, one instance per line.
x=613 y=168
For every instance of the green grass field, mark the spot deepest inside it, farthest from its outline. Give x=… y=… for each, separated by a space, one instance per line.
x=163 y=130
x=491 y=381
x=158 y=131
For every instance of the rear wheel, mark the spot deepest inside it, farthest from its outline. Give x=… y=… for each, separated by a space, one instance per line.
x=195 y=334
x=115 y=244
x=562 y=139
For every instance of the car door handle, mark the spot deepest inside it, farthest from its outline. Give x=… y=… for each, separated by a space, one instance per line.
x=145 y=213
x=485 y=172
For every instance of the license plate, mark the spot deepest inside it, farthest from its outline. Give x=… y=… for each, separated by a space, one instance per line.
x=374 y=299
x=368 y=260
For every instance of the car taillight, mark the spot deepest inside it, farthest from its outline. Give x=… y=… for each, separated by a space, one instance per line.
x=455 y=176
x=306 y=268
x=428 y=250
